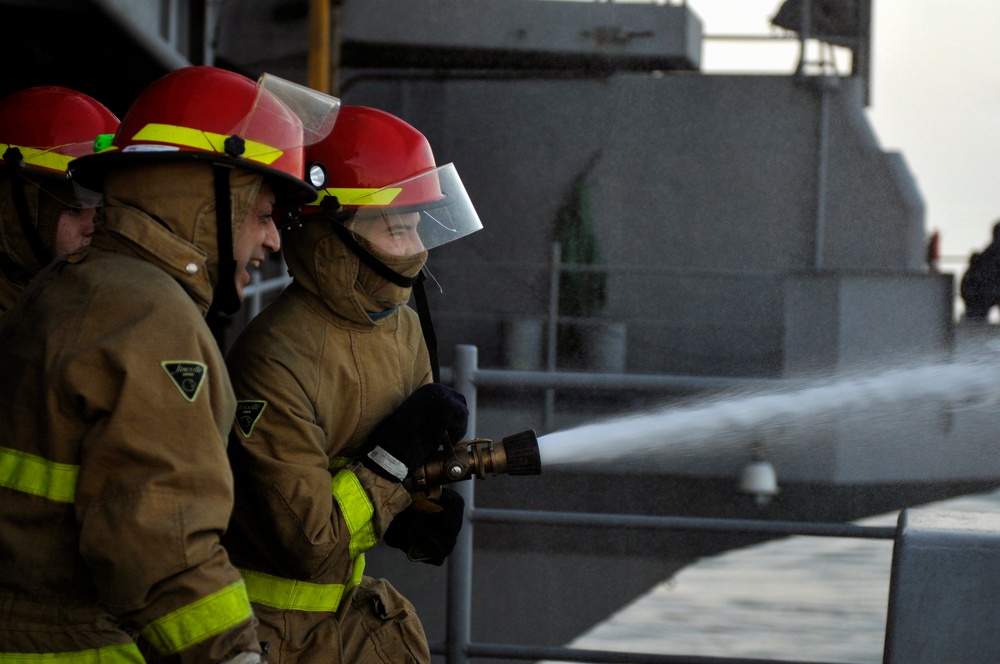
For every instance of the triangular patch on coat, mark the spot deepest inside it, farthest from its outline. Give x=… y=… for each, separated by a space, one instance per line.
x=247 y=415
x=188 y=376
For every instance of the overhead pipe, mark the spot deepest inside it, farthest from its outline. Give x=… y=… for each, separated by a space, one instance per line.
x=318 y=64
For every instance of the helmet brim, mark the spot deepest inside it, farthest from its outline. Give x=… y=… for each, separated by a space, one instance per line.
x=90 y=171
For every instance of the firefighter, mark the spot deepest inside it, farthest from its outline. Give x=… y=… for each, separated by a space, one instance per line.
x=336 y=403
x=41 y=214
x=980 y=285
x=115 y=403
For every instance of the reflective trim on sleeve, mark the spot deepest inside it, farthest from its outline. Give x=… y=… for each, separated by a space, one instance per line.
x=357 y=509
x=292 y=595
x=200 y=620
x=205 y=140
x=33 y=474
x=126 y=653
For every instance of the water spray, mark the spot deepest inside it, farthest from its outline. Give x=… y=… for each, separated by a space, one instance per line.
x=514 y=455
x=925 y=409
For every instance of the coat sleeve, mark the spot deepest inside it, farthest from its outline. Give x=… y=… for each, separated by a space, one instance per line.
x=154 y=491
x=306 y=514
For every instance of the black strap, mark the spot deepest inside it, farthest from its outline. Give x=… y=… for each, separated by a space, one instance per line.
x=381 y=269
x=416 y=283
x=226 y=299
x=14 y=161
x=426 y=325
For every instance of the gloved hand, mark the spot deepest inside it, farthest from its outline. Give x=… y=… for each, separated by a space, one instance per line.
x=428 y=528
x=403 y=440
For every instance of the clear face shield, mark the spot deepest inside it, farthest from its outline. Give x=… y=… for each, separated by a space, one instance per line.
x=274 y=132
x=412 y=216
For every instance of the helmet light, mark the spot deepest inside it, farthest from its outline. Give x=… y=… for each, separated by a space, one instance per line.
x=316 y=174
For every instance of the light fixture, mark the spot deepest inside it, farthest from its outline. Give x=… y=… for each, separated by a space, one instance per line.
x=758 y=478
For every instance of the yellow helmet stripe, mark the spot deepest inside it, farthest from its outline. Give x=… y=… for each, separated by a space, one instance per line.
x=348 y=196
x=205 y=140
x=41 y=158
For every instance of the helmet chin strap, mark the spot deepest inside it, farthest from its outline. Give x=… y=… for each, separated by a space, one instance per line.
x=226 y=298
x=14 y=161
x=380 y=268
x=416 y=283
x=426 y=326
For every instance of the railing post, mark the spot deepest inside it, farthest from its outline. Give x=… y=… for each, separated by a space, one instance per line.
x=555 y=270
x=256 y=301
x=458 y=629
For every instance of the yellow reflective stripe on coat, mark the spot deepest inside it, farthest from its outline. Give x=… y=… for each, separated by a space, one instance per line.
x=348 y=196
x=336 y=463
x=126 y=653
x=204 y=140
x=33 y=474
x=357 y=509
x=292 y=595
x=200 y=620
x=41 y=158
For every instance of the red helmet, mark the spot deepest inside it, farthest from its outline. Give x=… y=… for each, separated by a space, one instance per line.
x=378 y=164
x=51 y=126
x=370 y=150
x=221 y=117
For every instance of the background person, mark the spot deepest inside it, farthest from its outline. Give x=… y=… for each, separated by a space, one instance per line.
x=980 y=285
x=42 y=215
x=115 y=406
x=336 y=404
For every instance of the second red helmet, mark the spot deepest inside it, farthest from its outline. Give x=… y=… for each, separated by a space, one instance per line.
x=378 y=164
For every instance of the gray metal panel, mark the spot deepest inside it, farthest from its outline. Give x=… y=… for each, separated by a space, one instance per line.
x=943 y=604
x=887 y=317
x=269 y=35
x=702 y=197
x=811 y=329
x=529 y=26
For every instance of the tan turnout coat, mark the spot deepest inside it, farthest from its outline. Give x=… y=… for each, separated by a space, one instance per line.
x=314 y=374
x=115 y=410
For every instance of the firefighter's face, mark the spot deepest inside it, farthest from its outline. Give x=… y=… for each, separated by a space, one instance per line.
x=256 y=238
x=74 y=229
x=394 y=233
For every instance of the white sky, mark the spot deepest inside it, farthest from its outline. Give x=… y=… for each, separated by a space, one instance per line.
x=935 y=98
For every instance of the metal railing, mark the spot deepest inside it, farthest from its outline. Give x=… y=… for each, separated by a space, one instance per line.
x=256 y=292
x=467 y=377
x=458 y=646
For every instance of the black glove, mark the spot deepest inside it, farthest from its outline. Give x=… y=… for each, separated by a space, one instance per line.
x=427 y=529
x=403 y=440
